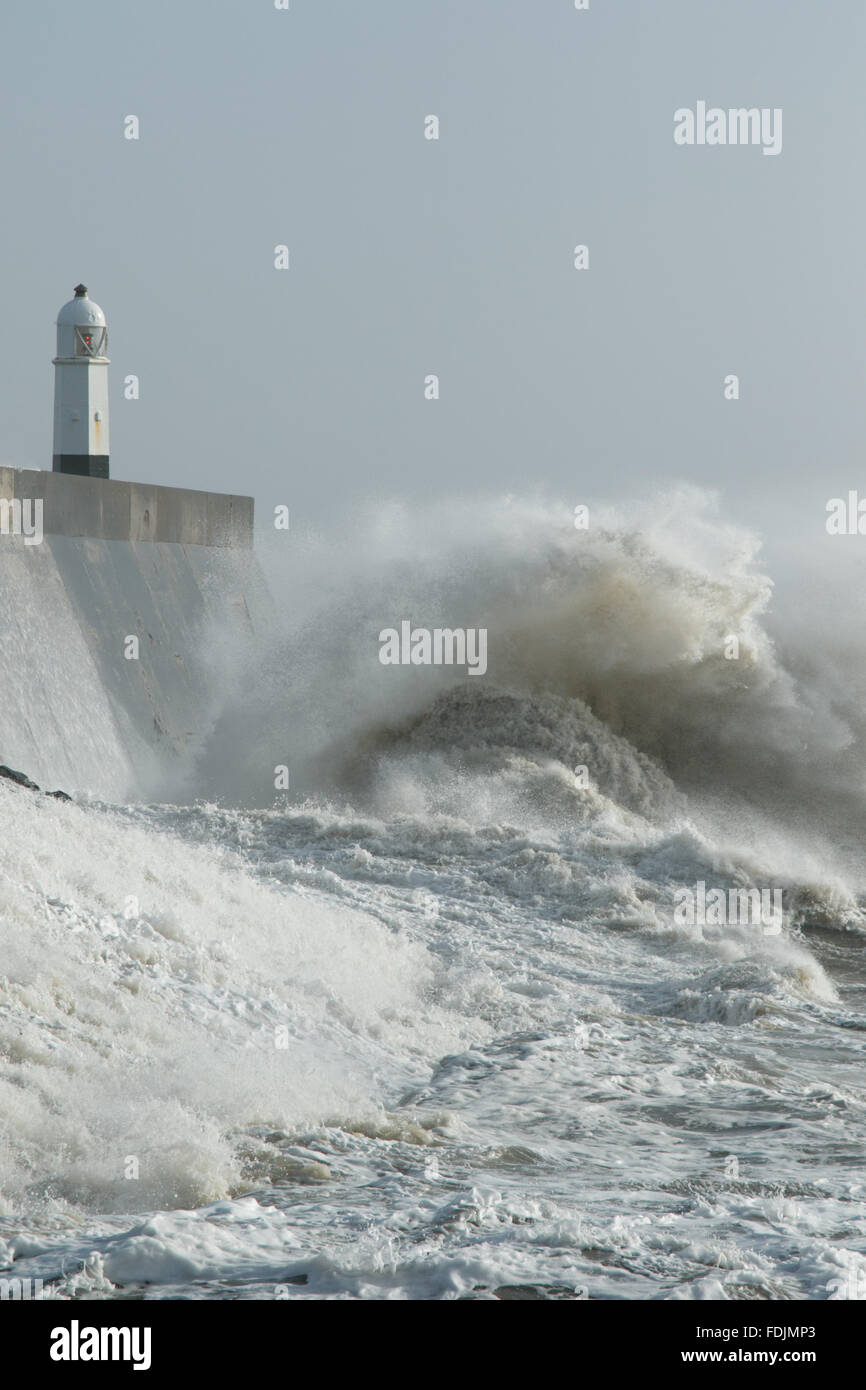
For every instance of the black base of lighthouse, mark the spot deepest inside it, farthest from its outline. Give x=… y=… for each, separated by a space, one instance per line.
x=85 y=465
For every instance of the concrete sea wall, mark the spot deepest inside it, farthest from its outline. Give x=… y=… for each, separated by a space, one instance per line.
x=76 y=710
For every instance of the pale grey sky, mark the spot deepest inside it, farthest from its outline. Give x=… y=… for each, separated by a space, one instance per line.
x=453 y=257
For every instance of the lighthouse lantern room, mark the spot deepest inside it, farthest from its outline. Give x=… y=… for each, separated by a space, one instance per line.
x=81 y=389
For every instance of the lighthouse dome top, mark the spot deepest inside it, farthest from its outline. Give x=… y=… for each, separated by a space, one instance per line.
x=81 y=310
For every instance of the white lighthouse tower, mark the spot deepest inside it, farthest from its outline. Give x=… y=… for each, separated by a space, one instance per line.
x=81 y=389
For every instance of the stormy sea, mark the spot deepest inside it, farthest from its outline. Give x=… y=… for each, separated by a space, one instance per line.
x=467 y=1010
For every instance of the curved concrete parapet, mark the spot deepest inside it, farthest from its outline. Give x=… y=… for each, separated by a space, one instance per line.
x=107 y=509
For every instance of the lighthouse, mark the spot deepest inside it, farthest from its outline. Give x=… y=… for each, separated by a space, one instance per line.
x=81 y=389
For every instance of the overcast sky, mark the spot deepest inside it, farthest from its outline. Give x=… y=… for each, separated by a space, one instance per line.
x=454 y=257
